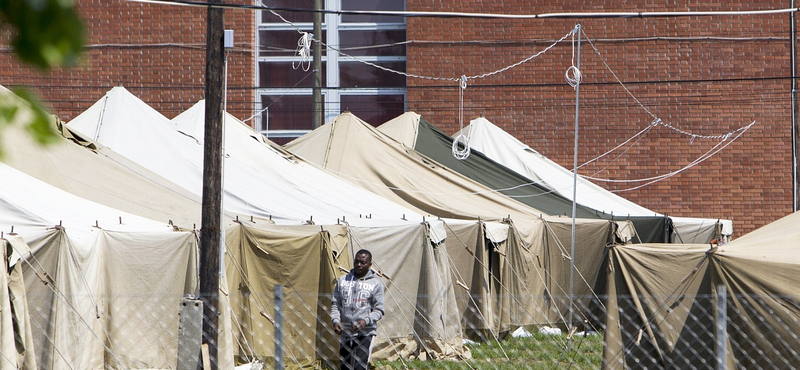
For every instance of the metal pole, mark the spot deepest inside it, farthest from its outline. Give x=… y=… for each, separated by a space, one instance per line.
x=793 y=47
x=227 y=44
x=722 y=318
x=316 y=51
x=278 y=327
x=574 y=188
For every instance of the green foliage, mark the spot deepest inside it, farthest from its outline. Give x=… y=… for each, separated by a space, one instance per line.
x=48 y=33
x=538 y=352
x=27 y=110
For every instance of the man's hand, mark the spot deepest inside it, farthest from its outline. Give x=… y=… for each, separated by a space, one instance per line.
x=358 y=325
x=337 y=327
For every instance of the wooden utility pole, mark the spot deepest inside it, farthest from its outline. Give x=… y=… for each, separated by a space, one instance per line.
x=795 y=128
x=316 y=67
x=212 y=182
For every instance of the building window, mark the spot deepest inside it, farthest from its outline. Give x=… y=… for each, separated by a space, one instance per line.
x=373 y=94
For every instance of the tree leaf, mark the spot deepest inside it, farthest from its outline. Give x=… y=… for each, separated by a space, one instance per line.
x=48 y=33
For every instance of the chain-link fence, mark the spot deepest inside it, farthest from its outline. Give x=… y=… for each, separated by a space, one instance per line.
x=699 y=332
x=63 y=331
x=121 y=302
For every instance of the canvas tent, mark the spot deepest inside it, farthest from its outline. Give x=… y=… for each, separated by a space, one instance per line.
x=421 y=317
x=505 y=149
x=661 y=302
x=16 y=337
x=357 y=152
x=284 y=188
x=97 y=276
x=79 y=166
x=417 y=133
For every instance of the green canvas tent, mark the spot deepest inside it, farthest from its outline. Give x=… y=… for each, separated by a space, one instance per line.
x=417 y=133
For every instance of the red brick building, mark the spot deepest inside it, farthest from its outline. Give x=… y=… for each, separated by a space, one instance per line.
x=701 y=75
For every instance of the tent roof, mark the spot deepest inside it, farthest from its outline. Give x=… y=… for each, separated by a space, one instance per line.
x=262 y=182
x=435 y=144
x=89 y=170
x=416 y=132
x=32 y=206
x=775 y=242
x=351 y=148
x=356 y=151
x=504 y=148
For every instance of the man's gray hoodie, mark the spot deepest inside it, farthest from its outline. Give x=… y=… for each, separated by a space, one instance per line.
x=355 y=299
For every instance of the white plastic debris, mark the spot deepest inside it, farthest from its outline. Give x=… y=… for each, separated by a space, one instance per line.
x=550 y=331
x=521 y=333
x=253 y=365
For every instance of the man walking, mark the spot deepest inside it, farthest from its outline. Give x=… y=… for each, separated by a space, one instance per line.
x=356 y=308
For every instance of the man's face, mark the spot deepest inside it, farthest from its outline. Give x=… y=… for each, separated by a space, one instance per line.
x=361 y=265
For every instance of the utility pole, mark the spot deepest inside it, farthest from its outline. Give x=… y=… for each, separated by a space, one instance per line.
x=795 y=128
x=316 y=68
x=212 y=182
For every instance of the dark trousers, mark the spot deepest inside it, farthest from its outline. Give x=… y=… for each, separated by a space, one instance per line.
x=354 y=352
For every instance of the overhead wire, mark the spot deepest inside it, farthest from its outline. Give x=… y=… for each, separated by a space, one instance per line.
x=573 y=77
x=708 y=154
x=440 y=14
x=696 y=162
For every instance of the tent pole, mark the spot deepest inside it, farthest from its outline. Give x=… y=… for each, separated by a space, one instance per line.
x=577 y=65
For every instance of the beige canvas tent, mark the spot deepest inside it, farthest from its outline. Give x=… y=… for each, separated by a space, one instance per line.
x=258 y=180
x=16 y=338
x=352 y=149
x=661 y=302
x=77 y=165
x=93 y=275
x=421 y=318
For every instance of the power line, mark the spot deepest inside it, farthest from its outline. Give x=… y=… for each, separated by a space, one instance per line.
x=408 y=14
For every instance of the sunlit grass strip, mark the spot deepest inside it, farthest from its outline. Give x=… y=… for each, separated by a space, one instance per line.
x=541 y=351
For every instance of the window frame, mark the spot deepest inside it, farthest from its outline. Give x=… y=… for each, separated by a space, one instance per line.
x=332 y=90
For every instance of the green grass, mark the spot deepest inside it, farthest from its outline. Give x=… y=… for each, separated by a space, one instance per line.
x=538 y=352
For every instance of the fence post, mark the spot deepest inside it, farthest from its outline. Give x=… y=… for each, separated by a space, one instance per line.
x=721 y=322
x=278 y=327
x=190 y=334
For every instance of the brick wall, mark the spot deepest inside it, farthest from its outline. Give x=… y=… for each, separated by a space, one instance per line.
x=157 y=52
x=705 y=75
